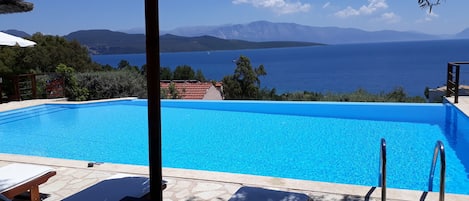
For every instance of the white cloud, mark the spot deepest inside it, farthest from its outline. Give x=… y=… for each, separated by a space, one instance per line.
x=390 y=17
x=373 y=6
x=431 y=16
x=326 y=5
x=278 y=6
x=428 y=17
x=349 y=11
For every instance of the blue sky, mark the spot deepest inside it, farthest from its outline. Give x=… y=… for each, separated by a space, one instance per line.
x=60 y=17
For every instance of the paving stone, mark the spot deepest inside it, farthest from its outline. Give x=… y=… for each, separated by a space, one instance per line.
x=206 y=187
x=210 y=195
x=182 y=194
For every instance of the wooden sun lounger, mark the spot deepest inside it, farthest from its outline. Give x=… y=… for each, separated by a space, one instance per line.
x=19 y=178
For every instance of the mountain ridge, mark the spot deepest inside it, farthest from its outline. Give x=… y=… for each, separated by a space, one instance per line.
x=270 y=31
x=102 y=41
x=112 y=42
x=235 y=36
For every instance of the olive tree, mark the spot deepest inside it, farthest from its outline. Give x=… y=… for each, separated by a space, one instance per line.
x=245 y=82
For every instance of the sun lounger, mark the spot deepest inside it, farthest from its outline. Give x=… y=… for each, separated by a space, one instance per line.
x=247 y=193
x=19 y=178
x=114 y=188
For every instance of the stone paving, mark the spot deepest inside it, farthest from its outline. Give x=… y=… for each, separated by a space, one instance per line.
x=74 y=177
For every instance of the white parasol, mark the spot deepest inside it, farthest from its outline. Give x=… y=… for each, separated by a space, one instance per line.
x=10 y=40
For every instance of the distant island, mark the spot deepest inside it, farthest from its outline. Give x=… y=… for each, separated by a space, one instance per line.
x=254 y=35
x=112 y=42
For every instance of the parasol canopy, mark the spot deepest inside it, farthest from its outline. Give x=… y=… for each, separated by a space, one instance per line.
x=10 y=40
x=15 y=6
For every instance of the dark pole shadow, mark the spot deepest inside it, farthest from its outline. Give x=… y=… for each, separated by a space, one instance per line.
x=368 y=195
x=424 y=196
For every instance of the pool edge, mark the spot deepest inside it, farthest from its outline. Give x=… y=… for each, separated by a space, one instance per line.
x=243 y=179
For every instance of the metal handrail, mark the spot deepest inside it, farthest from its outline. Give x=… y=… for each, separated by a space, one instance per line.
x=438 y=148
x=452 y=79
x=382 y=169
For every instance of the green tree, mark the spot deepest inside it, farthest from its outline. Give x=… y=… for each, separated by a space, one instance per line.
x=8 y=59
x=174 y=93
x=397 y=95
x=183 y=72
x=49 y=52
x=143 y=69
x=123 y=64
x=107 y=67
x=165 y=73
x=72 y=90
x=171 y=92
x=200 y=76
x=245 y=82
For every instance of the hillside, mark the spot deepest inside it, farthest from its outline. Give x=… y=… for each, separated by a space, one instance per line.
x=269 y=31
x=172 y=43
x=463 y=34
x=111 y=42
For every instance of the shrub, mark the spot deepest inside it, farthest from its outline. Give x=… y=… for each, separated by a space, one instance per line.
x=113 y=84
x=72 y=89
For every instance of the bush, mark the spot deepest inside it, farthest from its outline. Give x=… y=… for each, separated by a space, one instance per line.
x=72 y=89
x=113 y=84
x=360 y=95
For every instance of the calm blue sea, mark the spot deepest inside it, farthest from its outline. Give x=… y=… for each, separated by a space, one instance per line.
x=375 y=67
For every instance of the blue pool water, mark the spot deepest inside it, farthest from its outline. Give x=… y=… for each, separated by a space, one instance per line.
x=330 y=142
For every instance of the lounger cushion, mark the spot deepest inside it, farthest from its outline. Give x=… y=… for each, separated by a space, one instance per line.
x=14 y=175
x=248 y=193
x=114 y=188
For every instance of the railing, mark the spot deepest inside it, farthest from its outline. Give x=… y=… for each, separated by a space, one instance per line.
x=438 y=148
x=452 y=79
x=382 y=169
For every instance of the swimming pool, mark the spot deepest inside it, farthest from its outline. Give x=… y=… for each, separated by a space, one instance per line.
x=330 y=142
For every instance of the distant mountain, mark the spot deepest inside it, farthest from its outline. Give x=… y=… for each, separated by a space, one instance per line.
x=269 y=31
x=173 y=43
x=111 y=42
x=236 y=36
x=136 y=30
x=21 y=34
x=463 y=34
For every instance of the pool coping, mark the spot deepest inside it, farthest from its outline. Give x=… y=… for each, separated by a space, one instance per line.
x=241 y=179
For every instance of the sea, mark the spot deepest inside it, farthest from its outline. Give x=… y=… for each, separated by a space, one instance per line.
x=374 y=67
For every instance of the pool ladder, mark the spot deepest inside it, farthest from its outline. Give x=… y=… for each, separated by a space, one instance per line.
x=382 y=169
x=439 y=148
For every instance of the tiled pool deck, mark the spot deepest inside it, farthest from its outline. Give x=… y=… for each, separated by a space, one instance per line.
x=74 y=177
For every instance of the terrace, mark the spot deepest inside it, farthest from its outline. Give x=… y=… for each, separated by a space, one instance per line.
x=75 y=177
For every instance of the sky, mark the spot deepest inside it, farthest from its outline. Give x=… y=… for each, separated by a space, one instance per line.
x=61 y=17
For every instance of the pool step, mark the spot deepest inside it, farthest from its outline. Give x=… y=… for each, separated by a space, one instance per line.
x=16 y=115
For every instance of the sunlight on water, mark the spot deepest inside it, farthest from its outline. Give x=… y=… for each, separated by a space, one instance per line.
x=301 y=146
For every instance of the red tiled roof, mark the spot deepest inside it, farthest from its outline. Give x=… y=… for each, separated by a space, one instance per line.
x=189 y=90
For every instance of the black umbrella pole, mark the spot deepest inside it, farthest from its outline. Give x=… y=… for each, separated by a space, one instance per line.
x=154 y=104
